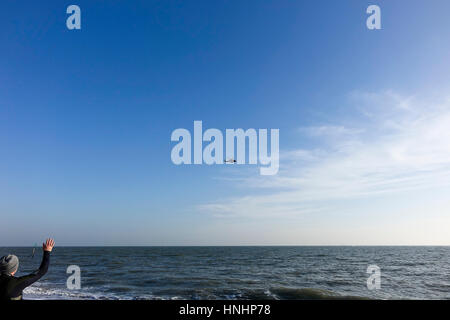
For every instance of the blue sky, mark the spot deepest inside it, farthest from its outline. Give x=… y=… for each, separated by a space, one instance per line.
x=86 y=117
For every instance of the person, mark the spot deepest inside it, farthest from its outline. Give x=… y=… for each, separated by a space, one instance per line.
x=11 y=287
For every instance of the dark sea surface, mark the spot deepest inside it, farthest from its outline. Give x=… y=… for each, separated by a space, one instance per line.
x=240 y=272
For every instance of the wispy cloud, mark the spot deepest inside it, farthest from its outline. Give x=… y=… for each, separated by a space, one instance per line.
x=398 y=144
x=329 y=131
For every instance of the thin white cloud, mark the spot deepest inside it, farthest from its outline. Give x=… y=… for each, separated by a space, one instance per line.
x=400 y=144
x=329 y=131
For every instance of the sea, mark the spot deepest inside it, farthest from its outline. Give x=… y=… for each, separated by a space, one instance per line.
x=282 y=272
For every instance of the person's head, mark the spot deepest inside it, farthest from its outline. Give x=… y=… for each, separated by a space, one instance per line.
x=9 y=264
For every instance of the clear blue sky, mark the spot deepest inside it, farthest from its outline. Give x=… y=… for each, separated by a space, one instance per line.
x=86 y=117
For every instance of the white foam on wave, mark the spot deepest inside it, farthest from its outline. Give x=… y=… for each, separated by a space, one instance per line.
x=42 y=293
x=55 y=292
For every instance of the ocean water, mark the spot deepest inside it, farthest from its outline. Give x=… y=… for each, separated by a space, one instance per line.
x=240 y=272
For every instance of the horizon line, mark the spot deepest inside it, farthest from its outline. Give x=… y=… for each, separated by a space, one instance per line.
x=212 y=246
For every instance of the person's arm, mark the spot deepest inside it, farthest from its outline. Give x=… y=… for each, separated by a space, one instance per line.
x=25 y=281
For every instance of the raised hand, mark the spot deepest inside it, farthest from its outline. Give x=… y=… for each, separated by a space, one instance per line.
x=48 y=245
